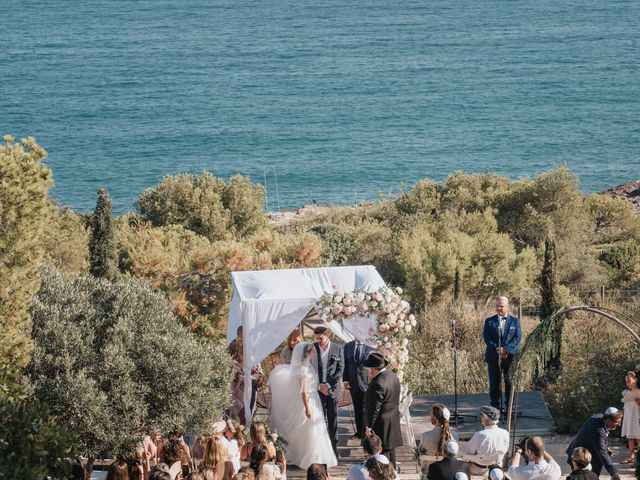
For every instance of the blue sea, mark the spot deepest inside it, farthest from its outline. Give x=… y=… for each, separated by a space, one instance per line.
x=324 y=100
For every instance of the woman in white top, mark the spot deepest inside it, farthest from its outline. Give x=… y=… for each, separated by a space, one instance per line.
x=262 y=468
x=631 y=418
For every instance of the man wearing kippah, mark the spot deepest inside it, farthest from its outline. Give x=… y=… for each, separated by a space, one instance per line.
x=502 y=333
x=594 y=436
x=488 y=446
x=447 y=468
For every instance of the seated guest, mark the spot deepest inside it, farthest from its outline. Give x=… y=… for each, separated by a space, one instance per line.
x=175 y=452
x=245 y=473
x=118 y=470
x=488 y=446
x=447 y=468
x=217 y=459
x=594 y=436
x=257 y=436
x=496 y=473
x=262 y=468
x=317 y=471
x=580 y=460
x=372 y=446
x=541 y=465
x=293 y=339
x=380 y=468
x=233 y=434
x=433 y=441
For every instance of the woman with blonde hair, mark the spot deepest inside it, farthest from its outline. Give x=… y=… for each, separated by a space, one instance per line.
x=233 y=434
x=217 y=459
x=257 y=436
x=293 y=339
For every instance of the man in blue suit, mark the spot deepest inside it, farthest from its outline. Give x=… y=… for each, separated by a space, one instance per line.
x=355 y=380
x=502 y=334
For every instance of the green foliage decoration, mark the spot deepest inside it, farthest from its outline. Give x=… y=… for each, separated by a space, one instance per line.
x=24 y=214
x=111 y=358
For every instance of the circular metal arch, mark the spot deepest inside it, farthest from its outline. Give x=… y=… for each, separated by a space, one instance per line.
x=604 y=312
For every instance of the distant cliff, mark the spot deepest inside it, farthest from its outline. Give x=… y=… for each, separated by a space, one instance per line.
x=627 y=191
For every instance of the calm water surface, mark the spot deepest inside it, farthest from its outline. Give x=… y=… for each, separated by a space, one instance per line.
x=335 y=100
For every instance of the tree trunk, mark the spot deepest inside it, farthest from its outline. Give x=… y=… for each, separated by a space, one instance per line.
x=88 y=468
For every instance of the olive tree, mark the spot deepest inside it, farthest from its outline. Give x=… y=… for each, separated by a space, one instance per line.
x=110 y=358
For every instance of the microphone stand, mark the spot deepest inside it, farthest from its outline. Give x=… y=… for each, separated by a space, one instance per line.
x=455 y=418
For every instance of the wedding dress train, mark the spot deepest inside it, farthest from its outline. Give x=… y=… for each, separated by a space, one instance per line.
x=307 y=438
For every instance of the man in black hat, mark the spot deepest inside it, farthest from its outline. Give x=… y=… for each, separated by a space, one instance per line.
x=329 y=365
x=381 y=405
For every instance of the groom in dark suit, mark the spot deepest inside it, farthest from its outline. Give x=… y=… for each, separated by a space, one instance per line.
x=329 y=365
x=355 y=379
x=381 y=405
x=502 y=334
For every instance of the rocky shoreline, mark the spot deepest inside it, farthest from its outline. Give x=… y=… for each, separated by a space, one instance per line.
x=627 y=191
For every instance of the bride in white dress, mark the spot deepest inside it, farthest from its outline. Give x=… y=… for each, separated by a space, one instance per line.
x=296 y=410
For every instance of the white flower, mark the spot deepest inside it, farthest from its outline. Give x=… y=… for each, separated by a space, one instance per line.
x=360 y=296
x=387 y=345
x=387 y=298
x=399 y=290
x=407 y=328
x=400 y=324
x=326 y=310
x=336 y=309
x=337 y=299
x=405 y=341
x=413 y=322
x=347 y=300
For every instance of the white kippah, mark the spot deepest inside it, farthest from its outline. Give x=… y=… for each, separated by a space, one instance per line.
x=452 y=447
x=611 y=411
x=446 y=414
x=496 y=474
x=461 y=476
x=382 y=459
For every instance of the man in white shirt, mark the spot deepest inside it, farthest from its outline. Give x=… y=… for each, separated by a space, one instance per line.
x=541 y=465
x=488 y=446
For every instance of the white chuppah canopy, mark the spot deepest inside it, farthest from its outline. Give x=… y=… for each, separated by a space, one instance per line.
x=269 y=304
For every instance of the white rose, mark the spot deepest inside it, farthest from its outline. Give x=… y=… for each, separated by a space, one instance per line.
x=407 y=328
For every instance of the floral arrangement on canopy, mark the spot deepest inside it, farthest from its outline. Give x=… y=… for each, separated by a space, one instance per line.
x=393 y=320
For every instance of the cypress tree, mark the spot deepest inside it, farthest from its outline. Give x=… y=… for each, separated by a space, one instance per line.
x=24 y=213
x=456 y=285
x=548 y=306
x=102 y=246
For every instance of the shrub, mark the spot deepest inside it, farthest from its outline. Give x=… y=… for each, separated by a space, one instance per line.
x=596 y=355
x=205 y=205
x=32 y=445
x=24 y=214
x=111 y=357
x=65 y=242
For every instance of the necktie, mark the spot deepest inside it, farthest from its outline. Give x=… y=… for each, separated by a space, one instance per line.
x=358 y=352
